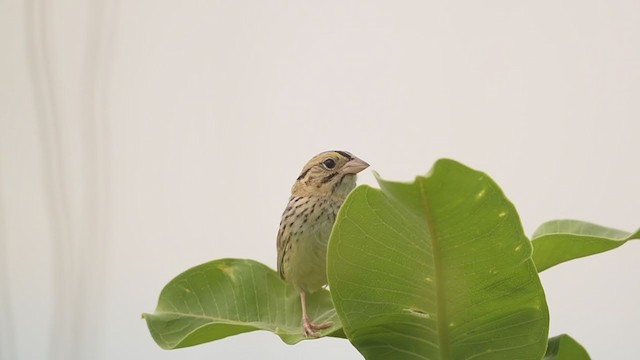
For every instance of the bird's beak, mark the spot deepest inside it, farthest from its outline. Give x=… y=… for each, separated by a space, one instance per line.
x=354 y=166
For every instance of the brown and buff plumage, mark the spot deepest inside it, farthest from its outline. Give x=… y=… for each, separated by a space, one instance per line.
x=323 y=184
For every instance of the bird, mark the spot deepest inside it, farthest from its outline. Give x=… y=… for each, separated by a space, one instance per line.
x=316 y=196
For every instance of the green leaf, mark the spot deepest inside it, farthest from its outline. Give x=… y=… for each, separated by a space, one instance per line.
x=436 y=269
x=557 y=241
x=564 y=347
x=231 y=296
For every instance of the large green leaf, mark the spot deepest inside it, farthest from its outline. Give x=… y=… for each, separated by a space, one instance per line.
x=557 y=241
x=228 y=297
x=436 y=269
x=564 y=347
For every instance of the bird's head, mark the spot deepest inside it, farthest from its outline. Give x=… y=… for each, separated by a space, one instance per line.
x=331 y=173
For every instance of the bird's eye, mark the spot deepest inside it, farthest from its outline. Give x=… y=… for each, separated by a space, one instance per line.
x=329 y=163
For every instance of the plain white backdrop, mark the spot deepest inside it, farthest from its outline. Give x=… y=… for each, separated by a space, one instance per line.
x=140 y=138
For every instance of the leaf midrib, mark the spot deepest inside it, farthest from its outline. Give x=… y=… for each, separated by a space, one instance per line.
x=217 y=320
x=443 y=333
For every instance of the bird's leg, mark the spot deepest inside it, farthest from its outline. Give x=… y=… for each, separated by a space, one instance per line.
x=309 y=328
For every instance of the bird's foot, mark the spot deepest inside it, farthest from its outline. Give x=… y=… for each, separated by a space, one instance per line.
x=310 y=329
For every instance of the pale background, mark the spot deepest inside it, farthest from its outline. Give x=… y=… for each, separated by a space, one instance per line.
x=140 y=138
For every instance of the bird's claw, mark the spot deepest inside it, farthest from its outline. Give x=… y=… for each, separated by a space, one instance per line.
x=309 y=328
